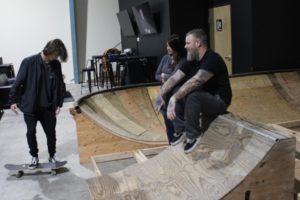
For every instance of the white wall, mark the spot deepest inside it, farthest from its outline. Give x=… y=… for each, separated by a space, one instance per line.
x=27 y=25
x=103 y=29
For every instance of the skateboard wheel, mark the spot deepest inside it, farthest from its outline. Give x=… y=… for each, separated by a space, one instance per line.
x=19 y=174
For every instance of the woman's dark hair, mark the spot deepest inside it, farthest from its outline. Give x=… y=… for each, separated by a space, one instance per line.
x=56 y=46
x=177 y=45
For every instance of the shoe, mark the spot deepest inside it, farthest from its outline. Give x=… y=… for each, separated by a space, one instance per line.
x=34 y=163
x=178 y=137
x=191 y=144
x=53 y=159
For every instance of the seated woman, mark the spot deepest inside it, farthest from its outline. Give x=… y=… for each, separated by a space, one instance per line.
x=174 y=58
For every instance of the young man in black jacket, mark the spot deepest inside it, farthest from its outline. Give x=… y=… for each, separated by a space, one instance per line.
x=39 y=92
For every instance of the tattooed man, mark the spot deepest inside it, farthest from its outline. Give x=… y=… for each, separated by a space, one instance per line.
x=205 y=94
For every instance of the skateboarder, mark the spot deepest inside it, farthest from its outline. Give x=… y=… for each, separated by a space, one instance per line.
x=39 y=91
x=205 y=94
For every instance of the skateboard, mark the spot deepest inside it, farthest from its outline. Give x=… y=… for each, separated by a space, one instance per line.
x=20 y=169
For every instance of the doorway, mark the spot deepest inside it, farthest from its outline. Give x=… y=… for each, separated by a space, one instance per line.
x=220 y=33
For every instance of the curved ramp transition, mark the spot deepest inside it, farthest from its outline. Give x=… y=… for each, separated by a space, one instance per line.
x=267 y=98
x=127 y=113
x=234 y=160
x=124 y=119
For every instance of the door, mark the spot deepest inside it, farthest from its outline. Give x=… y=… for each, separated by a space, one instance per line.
x=220 y=33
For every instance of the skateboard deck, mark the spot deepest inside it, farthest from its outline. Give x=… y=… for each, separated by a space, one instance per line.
x=21 y=168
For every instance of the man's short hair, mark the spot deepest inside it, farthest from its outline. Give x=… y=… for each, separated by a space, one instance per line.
x=56 y=46
x=199 y=34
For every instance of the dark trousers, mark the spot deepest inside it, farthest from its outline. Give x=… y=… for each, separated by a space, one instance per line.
x=196 y=111
x=169 y=126
x=168 y=123
x=47 y=119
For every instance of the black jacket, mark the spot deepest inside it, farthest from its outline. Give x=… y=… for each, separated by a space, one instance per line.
x=25 y=90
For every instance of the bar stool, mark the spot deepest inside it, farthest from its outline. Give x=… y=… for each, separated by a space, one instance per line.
x=87 y=71
x=106 y=70
x=107 y=76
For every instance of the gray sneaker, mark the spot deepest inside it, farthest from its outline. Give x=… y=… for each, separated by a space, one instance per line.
x=34 y=163
x=53 y=159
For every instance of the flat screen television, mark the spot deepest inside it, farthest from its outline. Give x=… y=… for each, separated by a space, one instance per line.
x=125 y=23
x=144 y=19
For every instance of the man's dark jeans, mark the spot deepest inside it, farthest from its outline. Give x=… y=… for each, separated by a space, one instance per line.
x=197 y=105
x=47 y=119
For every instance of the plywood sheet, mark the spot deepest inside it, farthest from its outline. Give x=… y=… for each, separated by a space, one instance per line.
x=94 y=140
x=232 y=157
x=256 y=98
x=136 y=101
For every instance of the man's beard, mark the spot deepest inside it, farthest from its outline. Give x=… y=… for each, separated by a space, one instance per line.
x=192 y=55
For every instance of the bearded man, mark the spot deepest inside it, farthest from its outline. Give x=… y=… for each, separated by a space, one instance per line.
x=205 y=94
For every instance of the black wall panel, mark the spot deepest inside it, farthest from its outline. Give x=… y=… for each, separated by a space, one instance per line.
x=149 y=45
x=275 y=35
x=186 y=16
x=171 y=16
x=265 y=34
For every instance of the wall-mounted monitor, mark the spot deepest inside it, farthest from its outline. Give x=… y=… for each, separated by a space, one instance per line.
x=144 y=19
x=125 y=23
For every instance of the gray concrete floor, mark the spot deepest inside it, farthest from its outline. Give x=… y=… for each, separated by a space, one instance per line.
x=69 y=184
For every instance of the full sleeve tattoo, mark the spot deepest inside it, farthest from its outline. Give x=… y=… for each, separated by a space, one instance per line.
x=196 y=81
x=171 y=82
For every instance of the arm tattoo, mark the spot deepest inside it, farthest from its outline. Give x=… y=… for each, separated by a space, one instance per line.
x=196 y=81
x=171 y=82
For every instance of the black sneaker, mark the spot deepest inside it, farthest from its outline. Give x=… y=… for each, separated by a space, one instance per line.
x=34 y=163
x=178 y=137
x=191 y=144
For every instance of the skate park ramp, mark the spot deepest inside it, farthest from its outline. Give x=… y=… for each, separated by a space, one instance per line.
x=241 y=156
x=267 y=98
x=129 y=112
x=234 y=160
x=118 y=120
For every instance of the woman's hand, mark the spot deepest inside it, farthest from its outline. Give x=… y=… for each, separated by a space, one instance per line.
x=162 y=76
x=160 y=103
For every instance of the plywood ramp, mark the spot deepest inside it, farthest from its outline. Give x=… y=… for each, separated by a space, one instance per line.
x=267 y=98
x=126 y=113
x=94 y=140
x=263 y=98
x=129 y=115
x=234 y=160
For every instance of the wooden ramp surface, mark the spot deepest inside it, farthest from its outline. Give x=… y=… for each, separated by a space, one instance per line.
x=267 y=98
x=94 y=140
x=129 y=115
x=235 y=160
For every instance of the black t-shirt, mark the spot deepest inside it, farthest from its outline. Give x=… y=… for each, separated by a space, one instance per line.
x=45 y=96
x=219 y=83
